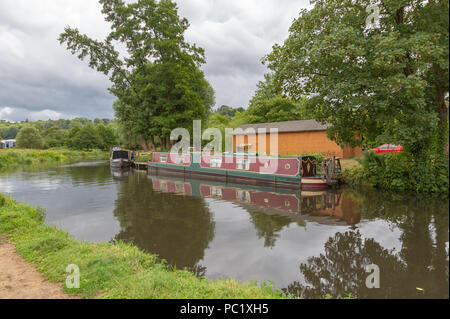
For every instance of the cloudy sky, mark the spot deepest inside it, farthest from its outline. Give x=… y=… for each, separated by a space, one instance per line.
x=39 y=79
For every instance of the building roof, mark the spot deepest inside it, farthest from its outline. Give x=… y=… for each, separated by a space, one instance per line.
x=285 y=127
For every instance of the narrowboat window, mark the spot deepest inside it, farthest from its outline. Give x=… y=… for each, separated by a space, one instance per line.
x=243 y=196
x=216 y=162
x=216 y=192
x=243 y=164
x=287 y=166
x=163 y=158
x=179 y=188
x=179 y=160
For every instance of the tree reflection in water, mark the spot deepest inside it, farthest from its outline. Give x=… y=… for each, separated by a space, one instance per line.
x=419 y=270
x=268 y=226
x=175 y=227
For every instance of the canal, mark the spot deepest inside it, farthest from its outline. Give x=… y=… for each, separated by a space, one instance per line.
x=308 y=244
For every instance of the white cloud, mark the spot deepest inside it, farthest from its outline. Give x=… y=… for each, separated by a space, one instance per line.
x=39 y=77
x=17 y=114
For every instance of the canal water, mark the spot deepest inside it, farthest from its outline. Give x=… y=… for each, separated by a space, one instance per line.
x=309 y=244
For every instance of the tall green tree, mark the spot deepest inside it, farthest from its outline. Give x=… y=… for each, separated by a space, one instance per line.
x=159 y=83
x=54 y=137
x=277 y=109
x=270 y=105
x=387 y=78
x=29 y=137
x=87 y=138
x=71 y=135
x=265 y=90
x=108 y=138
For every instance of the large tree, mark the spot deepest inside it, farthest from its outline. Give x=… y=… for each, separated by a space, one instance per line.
x=158 y=82
x=375 y=76
x=29 y=137
x=268 y=104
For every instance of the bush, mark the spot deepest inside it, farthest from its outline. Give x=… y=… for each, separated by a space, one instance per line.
x=29 y=137
x=400 y=172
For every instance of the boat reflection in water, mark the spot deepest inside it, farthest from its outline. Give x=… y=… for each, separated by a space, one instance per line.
x=325 y=207
x=120 y=173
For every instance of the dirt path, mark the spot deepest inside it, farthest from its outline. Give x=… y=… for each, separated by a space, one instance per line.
x=19 y=279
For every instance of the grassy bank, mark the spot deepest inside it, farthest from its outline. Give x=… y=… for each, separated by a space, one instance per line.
x=13 y=158
x=108 y=271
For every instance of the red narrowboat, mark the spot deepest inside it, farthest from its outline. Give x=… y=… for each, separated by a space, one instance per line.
x=294 y=172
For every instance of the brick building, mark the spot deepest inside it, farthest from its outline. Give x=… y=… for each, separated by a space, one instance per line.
x=294 y=138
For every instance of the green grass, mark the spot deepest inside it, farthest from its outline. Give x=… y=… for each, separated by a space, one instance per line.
x=107 y=270
x=14 y=158
x=349 y=163
x=143 y=156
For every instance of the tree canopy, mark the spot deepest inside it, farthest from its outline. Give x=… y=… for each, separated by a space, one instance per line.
x=269 y=104
x=229 y=111
x=159 y=84
x=29 y=137
x=386 y=82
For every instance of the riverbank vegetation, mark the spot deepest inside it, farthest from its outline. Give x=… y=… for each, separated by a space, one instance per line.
x=13 y=158
x=386 y=81
x=76 y=134
x=109 y=270
x=399 y=172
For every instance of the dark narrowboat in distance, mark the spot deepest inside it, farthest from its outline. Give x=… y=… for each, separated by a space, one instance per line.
x=119 y=158
x=293 y=172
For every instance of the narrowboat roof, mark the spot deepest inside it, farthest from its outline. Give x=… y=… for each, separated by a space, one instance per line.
x=285 y=127
x=239 y=154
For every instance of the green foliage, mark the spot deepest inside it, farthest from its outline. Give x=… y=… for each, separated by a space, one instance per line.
x=13 y=158
x=319 y=157
x=270 y=105
x=65 y=133
x=159 y=85
x=386 y=82
x=90 y=137
x=29 y=137
x=110 y=270
x=71 y=135
x=87 y=138
x=276 y=109
x=401 y=172
x=265 y=90
x=107 y=137
x=54 y=137
x=228 y=111
x=9 y=130
x=3 y=200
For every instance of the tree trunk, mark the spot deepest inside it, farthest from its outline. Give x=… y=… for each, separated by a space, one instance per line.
x=153 y=144
x=168 y=143
x=442 y=109
x=145 y=145
x=443 y=114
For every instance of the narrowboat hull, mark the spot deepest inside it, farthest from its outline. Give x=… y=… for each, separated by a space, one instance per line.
x=225 y=177
x=120 y=163
x=286 y=175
